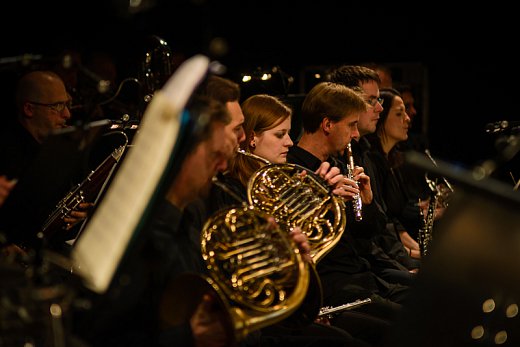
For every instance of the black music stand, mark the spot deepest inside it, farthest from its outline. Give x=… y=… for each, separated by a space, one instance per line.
x=165 y=136
x=61 y=162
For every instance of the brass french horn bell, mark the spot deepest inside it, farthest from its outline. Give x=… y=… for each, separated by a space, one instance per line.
x=256 y=274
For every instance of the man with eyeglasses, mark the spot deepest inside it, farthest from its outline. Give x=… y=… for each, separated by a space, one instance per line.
x=42 y=102
x=380 y=244
x=355 y=76
x=42 y=106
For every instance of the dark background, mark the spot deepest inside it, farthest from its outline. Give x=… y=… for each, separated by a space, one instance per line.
x=462 y=62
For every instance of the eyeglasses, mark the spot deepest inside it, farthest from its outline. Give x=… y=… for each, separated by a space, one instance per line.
x=57 y=106
x=373 y=101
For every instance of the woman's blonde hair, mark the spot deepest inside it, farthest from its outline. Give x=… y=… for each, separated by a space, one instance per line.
x=261 y=112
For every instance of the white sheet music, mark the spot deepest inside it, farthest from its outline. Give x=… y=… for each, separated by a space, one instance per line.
x=97 y=254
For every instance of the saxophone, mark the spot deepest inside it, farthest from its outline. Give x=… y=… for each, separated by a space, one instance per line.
x=357 y=205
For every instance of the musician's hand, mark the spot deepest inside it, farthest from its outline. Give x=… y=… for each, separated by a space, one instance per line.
x=207 y=324
x=347 y=188
x=302 y=242
x=363 y=181
x=423 y=206
x=322 y=320
x=298 y=237
x=6 y=185
x=78 y=215
x=341 y=185
x=439 y=212
x=331 y=174
x=11 y=250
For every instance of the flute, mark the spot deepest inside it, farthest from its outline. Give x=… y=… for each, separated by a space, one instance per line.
x=357 y=205
x=329 y=310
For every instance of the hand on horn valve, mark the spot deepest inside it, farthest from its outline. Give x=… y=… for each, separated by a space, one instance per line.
x=301 y=241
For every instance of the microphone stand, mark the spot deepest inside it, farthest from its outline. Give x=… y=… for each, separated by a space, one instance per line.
x=509 y=151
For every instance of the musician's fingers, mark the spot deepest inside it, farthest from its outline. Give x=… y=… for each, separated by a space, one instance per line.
x=77 y=214
x=323 y=169
x=333 y=175
x=86 y=205
x=358 y=170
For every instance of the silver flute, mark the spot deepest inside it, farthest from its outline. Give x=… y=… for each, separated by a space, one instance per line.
x=330 y=310
x=357 y=205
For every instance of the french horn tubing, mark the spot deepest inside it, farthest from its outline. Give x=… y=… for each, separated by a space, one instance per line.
x=298 y=199
x=256 y=273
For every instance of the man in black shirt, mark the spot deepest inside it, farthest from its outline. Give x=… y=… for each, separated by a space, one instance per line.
x=330 y=113
x=388 y=256
x=42 y=107
x=129 y=313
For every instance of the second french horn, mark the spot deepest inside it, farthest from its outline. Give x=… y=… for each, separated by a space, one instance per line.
x=298 y=197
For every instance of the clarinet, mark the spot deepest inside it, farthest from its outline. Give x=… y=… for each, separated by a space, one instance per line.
x=356 y=203
x=425 y=231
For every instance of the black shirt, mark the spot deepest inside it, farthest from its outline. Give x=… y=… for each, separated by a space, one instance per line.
x=386 y=249
x=401 y=207
x=128 y=314
x=343 y=260
x=18 y=150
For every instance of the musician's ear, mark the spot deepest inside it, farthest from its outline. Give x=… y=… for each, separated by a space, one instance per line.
x=252 y=141
x=326 y=124
x=28 y=109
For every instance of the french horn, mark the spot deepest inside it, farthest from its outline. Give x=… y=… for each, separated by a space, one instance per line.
x=256 y=274
x=298 y=197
